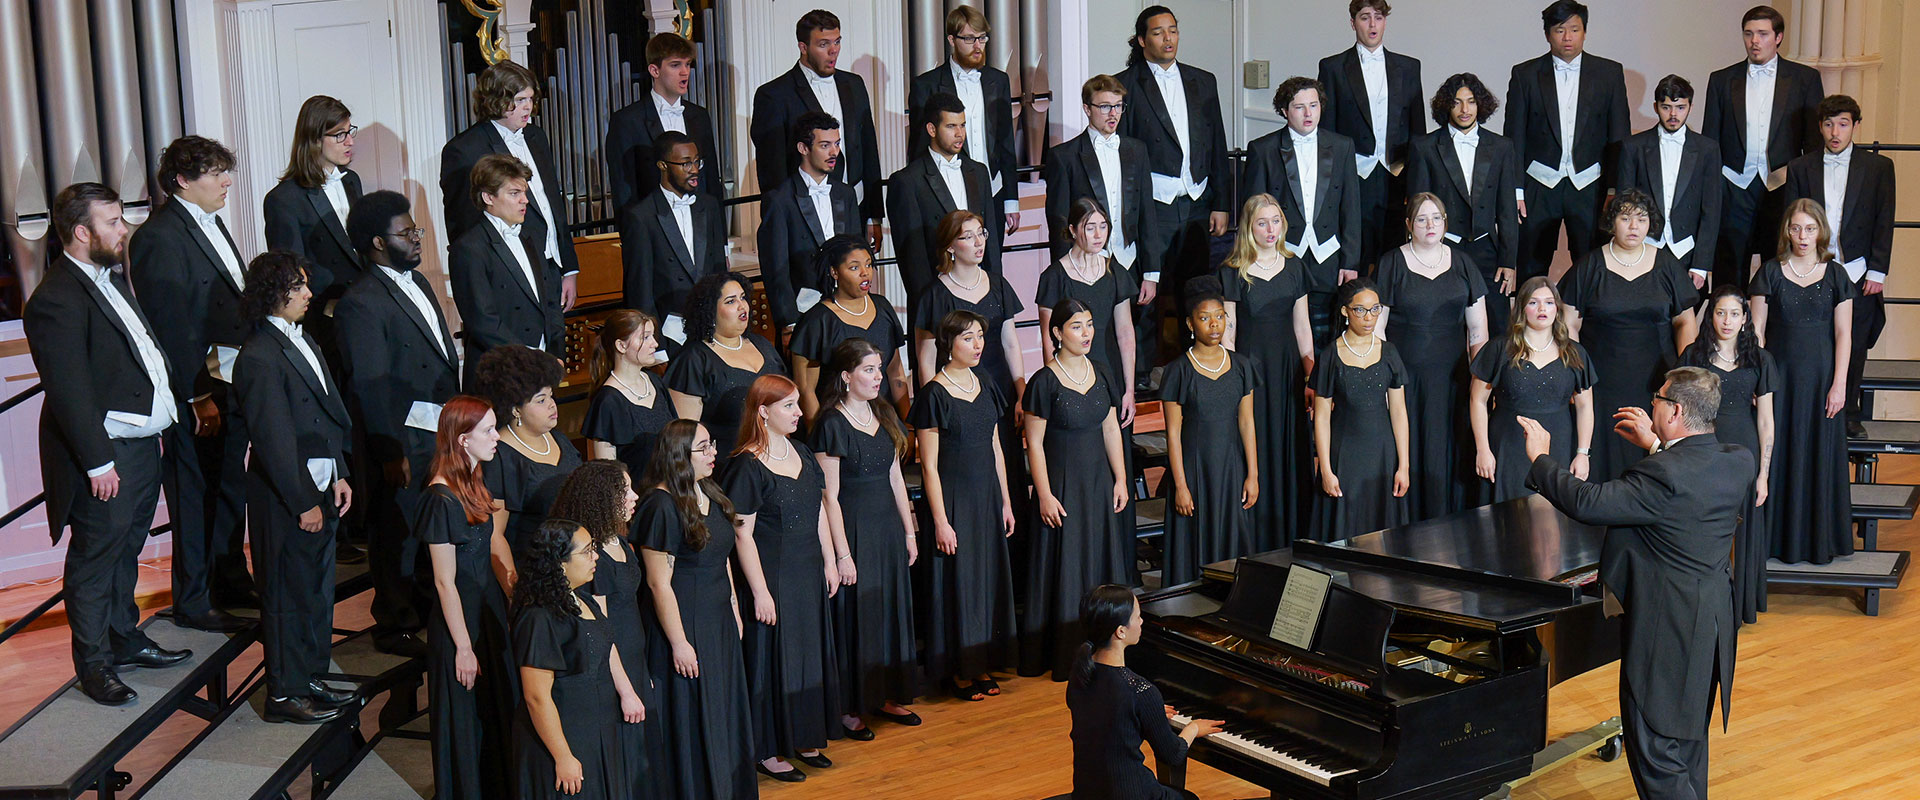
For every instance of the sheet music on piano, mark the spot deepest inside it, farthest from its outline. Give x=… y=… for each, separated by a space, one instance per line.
x=1298 y=617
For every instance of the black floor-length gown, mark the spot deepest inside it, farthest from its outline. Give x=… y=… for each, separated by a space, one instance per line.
x=969 y=624
x=576 y=650
x=1263 y=319
x=1543 y=394
x=1812 y=519
x=700 y=372
x=470 y=728
x=820 y=330
x=1627 y=326
x=1215 y=465
x=631 y=429
x=1363 y=450
x=1113 y=288
x=793 y=673
x=1094 y=544
x=873 y=618
x=527 y=487
x=621 y=583
x=1114 y=713
x=1428 y=327
x=1736 y=423
x=710 y=748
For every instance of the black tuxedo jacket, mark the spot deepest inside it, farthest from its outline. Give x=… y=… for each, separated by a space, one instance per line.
x=778 y=102
x=88 y=366
x=1272 y=168
x=1670 y=523
x=1072 y=171
x=1697 y=191
x=301 y=220
x=659 y=270
x=298 y=416
x=176 y=268
x=393 y=359
x=1146 y=119
x=1792 y=130
x=1866 y=213
x=1477 y=206
x=456 y=179
x=917 y=199
x=632 y=169
x=997 y=92
x=789 y=236
x=497 y=306
x=1347 y=111
x=1533 y=112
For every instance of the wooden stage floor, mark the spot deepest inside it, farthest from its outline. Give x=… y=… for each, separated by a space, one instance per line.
x=1816 y=713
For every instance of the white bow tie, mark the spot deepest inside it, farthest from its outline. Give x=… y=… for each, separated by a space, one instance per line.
x=818 y=79
x=336 y=177
x=295 y=332
x=675 y=111
x=1469 y=139
x=949 y=164
x=967 y=76
x=514 y=137
x=1306 y=139
x=821 y=189
x=1107 y=142
x=512 y=231
x=1564 y=66
x=1372 y=56
x=1837 y=159
x=1761 y=70
x=680 y=201
x=1676 y=137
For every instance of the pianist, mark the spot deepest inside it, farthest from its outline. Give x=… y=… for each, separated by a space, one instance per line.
x=1114 y=710
x=1671 y=519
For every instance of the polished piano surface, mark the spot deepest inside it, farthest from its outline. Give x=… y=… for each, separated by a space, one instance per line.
x=1428 y=675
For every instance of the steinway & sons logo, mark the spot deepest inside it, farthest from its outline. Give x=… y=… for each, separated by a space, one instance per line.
x=1467 y=733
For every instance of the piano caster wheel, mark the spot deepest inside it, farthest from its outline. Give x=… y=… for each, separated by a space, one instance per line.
x=1609 y=751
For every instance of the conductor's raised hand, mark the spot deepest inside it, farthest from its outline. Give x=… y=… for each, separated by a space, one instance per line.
x=1635 y=426
x=1539 y=441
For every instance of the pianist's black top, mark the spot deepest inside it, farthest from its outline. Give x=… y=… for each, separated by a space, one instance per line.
x=1112 y=714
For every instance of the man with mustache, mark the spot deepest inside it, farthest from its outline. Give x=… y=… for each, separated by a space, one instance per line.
x=802 y=215
x=671 y=238
x=987 y=94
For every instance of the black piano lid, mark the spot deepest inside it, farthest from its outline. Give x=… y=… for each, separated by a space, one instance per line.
x=1460 y=602
x=1525 y=543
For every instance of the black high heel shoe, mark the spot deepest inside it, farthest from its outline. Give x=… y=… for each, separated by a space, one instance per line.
x=970 y=693
x=790 y=776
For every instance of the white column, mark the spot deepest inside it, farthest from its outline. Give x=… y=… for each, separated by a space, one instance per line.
x=516 y=22
x=251 y=92
x=1065 y=65
x=424 y=128
x=1842 y=39
x=663 y=16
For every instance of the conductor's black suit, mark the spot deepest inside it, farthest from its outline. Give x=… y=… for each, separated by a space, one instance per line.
x=1671 y=519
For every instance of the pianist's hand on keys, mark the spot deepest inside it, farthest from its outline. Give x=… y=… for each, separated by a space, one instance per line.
x=1191 y=729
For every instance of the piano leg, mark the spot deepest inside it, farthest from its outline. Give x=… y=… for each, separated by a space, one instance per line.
x=1602 y=740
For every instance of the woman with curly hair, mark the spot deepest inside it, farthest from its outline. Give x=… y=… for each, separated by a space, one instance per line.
x=526 y=474
x=1631 y=305
x=683 y=522
x=629 y=403
x=470 y=671
x=1533 y=369
x=849 y=310
x=575 y=687
x=709 y=378
x=600 y=496
x=859 y=441
x=1730 y=349
x=791 y=561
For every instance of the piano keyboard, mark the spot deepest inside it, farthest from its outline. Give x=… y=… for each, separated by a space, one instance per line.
x=1270 y=746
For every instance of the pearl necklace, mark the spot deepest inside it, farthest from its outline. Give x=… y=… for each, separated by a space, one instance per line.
x=523 y=443
x=780 y=458
x=1733 y=362
x=956 y=381
x=847 y=408
x=1086 y=374
x=1415 y=252
x=1541 y=348
x=736 y=348
x=963 y=286
x=1622 y=261
x=1209 y=370
x=1373 y=344
x=1799 y=273
x=863 y=309
x=1079 y=271
x=637 y=394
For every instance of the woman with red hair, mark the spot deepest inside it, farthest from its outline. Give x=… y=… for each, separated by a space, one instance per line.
x=470 y=667
x=791 y=562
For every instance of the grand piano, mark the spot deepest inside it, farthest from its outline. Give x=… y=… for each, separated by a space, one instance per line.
x=1425 y=674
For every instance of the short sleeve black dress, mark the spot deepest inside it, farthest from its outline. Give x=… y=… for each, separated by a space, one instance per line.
x=576 y=650
x=969 y=625
x=1363 y=449
x=526 y=486
x=1741 y=391
x=820 y=330
x=631 y=429
x=1214 y=463
x=1094 y=544
x=1428 y=327
x=1114 y=713
x=873 y=619
x=621 y=583
x=792 y=671
x=472 y=750
x=999 y=304
x=1263 y=320
x=722 y=389
x=710 y=751
x=1812 y=519
x=1113 y=288
x=1543 y=394
x=1627 y=325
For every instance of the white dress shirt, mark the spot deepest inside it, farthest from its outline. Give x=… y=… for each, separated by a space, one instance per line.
x=825 y=91
x=1306 y=153
x=821 y=193
x=209 y=223
x=1566 y=88
x=324 y=471
x=682 y=207
x=517 y=145
x=335 y=188
x=1167 y=187
x=1834 y=169
x=966 y=82
x=1672 y=145
x=950 y=168
x=120 y=424
x=1373 y=71
x=1466 y=144
x=419 y=299
x=673 y=115
x=1760 y=85
x=511 y=233
x=1106 y=150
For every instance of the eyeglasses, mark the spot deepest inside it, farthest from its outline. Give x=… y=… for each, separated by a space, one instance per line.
x=971 y=40
x=697 y=163
x=342 y=136
x=705 y=448
x=1365 y=311
x=1108 y=108
x=1666 y=398
x=410 y=234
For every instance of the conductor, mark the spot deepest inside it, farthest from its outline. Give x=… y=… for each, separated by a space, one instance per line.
x=1671 y=520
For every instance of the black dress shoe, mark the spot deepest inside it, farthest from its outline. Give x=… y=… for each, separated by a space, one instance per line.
x=860 y=734
x=298 y=710
x=908 y=718
x=817 y=760
x=214 y=621
x=105 y=687
x=790 y=776
x=330 y=697
x=151 y=656
x=241 y=599
x=401 y=644
x=1855 y=430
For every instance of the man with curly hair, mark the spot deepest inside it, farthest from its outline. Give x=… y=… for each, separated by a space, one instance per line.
x=1476 y=175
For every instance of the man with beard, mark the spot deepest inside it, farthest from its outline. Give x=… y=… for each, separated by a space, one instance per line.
x=395 y=335
x=817 y=84
x=1679 y=169
x=927 y=189
x=109 y=398
x=802 y=215
x=671 y=238
x=986 y=92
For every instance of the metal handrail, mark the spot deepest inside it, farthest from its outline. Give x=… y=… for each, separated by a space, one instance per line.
x=22 y=397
